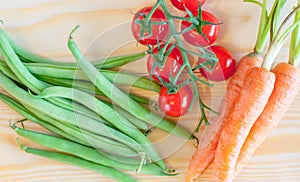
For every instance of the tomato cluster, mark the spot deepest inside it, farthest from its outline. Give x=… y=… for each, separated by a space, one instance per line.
x=199 y=28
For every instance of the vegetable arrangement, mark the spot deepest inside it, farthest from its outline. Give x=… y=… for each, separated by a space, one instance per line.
x=257 y=98
x=98 y=126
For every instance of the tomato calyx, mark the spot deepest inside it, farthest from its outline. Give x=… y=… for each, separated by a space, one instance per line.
x=147 y=25
x=176 y=100
x=165 y=61
x=197 y=22
x=161 y=55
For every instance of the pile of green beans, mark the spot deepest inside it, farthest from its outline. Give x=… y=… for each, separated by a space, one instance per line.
x=97 y=125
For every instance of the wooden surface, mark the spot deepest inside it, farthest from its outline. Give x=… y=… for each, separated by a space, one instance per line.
x=43 y=26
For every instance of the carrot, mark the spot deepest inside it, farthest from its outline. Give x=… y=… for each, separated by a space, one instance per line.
x=286 y=87
x=239 y=108
x=205 y=152
x=249 y=105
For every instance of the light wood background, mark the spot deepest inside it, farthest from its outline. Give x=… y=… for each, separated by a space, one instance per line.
x=43 y=26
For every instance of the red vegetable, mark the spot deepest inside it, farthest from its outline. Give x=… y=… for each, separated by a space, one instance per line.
x=152 y=33
x=224 y=68
x=175 y=104
x=191 y=5
x=173 y=63
x=210 y=31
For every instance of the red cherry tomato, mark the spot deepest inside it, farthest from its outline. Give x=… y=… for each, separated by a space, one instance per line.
x=210 y=31
x=176 y=104
x=173 y=63
x=224 y=69
x=158 y=31
x=191 y=5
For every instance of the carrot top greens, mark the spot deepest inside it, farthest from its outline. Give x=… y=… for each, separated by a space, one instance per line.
x=294 y=57
x=279 y=36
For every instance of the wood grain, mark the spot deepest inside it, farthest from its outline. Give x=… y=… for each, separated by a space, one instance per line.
x=43 y=27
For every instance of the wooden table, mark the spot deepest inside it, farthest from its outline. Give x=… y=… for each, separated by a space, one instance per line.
x=43 y=26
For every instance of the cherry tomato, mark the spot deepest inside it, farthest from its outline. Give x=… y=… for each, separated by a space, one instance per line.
x=173 y=63
x=175 y=104
x=210 y=31
x=224 y=69
x=154 y=32
x=191 y=5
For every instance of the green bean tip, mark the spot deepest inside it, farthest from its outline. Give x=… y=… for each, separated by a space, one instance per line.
x=171 y=172
x=22 y=147
x=12 y=125
x=73 y=31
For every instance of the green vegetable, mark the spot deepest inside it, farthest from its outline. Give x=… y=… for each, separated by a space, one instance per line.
x=68 y=72
x=84 y=152
x=122 y=99
x=76 y=161
x=105 y=111
x=110 y=62
x=65 y=116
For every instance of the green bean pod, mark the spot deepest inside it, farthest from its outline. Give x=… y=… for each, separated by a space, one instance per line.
x=65 y=116
x=122 y=99
x=104 y=143
x=85 y=152
x=108 y=113
x=70 y=133
x=140 y=124
x=76 y=161
x=67 y=104
x=117 y=77
x=27 y=79
x=30 y=116
x=91 y=139
x=110 y=62
x=84 y=86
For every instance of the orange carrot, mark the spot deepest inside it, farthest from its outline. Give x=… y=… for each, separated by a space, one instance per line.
x=249 y=105
x=286 y=87
x=205 y=152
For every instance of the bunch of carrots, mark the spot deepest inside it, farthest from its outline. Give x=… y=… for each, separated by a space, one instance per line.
x=258 y=95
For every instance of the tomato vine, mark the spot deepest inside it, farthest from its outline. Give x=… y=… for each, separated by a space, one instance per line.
x=174 y=41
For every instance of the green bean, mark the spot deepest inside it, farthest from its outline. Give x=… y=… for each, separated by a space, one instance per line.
x=117 y=77
x=59 y=102
x=28 y=79
x=84 y=86
x=76 y=161
x=110 y=62
x=72 y=134
x=64 y=115
x=122 y=99
x=84 y=152
x=92 y=139
x=107 y=113
x=30 y=116
x=4 y=68
x=135 y=121
x=67 y=131
x=119 y=151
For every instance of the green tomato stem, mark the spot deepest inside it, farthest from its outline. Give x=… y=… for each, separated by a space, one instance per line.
x=186 y=62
